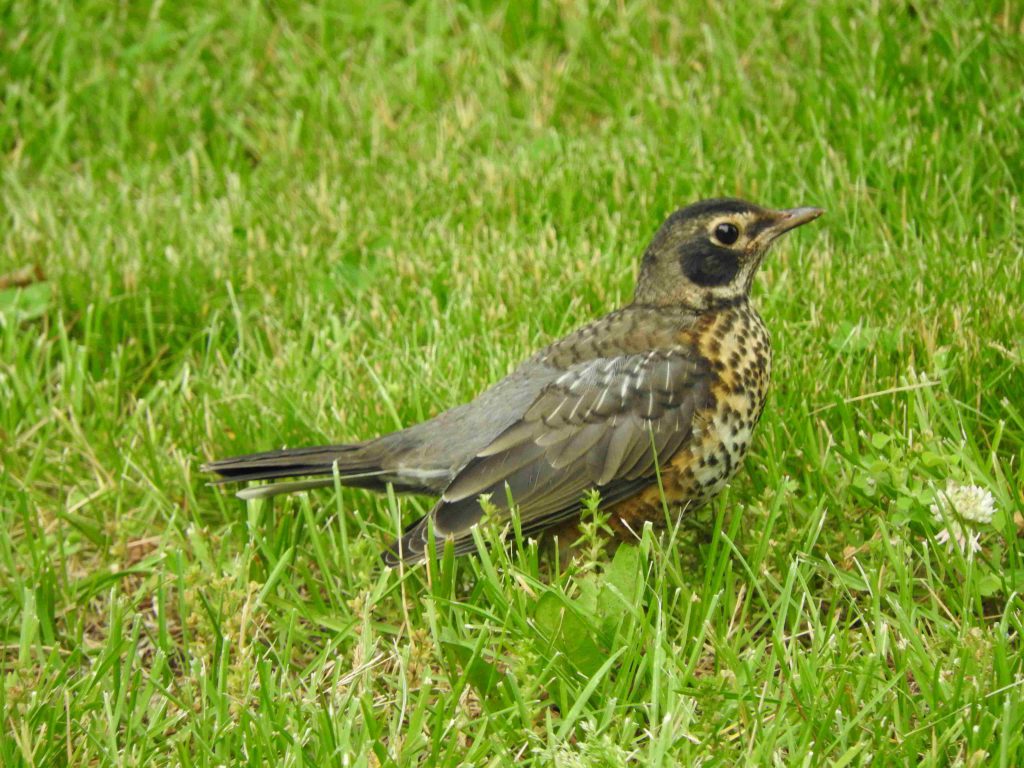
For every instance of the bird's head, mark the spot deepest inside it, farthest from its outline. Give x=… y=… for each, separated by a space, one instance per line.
x=705 y=255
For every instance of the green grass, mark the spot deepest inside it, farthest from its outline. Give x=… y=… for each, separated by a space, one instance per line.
x=287 y=223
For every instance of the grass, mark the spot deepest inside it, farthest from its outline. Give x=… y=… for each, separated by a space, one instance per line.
x=288 y=223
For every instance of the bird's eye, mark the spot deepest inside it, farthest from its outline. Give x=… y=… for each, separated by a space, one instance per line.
x=726 y=233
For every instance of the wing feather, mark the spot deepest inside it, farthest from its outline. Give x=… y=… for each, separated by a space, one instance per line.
x=602 y=424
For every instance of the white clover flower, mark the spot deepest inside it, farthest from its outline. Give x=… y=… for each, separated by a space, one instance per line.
x=960 y=508
x=956 y=536
x=970 y=502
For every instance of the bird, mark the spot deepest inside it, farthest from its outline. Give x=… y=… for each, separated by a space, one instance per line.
x=655 y=402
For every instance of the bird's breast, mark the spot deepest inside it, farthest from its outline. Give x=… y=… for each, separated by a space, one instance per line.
x=737 y=348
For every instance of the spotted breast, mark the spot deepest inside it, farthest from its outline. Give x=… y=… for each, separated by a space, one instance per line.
x=737 y=346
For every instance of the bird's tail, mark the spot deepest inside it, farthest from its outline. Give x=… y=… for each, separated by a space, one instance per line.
x=358 y=464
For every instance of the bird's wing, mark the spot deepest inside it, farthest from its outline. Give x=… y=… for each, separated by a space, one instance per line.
x=598 y=425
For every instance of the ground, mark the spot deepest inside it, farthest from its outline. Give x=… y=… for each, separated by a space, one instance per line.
x=231 y=227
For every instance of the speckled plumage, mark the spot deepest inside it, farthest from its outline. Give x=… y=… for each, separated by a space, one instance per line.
x=737 y=346
x=674 y=383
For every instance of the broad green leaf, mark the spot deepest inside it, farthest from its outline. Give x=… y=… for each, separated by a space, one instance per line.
x=28 y=303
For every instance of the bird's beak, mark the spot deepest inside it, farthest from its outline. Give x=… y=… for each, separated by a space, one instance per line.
x=789 y=218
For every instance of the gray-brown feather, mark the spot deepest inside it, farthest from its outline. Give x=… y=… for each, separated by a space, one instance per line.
x=615 y=397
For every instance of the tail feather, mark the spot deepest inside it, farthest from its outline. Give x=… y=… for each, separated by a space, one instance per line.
x=289 y=462
x=359 y=464
x=277 y=489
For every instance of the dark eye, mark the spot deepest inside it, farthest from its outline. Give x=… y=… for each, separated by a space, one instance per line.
x=726 y=233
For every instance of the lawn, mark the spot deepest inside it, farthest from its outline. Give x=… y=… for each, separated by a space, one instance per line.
x=232 y=227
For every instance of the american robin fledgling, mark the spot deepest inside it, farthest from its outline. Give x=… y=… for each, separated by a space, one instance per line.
x=674 y=382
